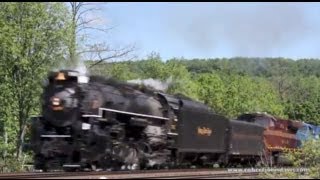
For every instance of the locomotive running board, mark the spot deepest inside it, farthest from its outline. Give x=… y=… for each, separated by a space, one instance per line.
x=175 y=134
x=71 y=165
x=58 y=136
x=123 y=112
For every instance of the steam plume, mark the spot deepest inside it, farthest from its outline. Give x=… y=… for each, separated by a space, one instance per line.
x=154 y=83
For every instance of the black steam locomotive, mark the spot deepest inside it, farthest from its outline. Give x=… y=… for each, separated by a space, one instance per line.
x=90 y=122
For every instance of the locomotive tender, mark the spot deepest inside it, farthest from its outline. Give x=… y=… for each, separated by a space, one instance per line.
x=97 y=123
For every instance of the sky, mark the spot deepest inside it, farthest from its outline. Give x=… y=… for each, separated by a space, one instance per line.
x=212 y=29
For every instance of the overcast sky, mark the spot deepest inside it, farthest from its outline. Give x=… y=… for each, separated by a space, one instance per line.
x=213 y=30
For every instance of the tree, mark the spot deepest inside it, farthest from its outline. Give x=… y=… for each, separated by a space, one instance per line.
x=233 y=94
x=211 y=91
x=98 y=51
x=308 y=156
x=303 y=100
x=152 y=67
x=181 y=80
x=32 y=42
x=306 y=160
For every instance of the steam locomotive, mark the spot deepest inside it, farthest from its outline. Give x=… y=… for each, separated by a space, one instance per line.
x=91 y=122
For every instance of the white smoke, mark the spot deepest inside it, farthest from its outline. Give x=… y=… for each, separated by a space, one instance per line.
x=81 y=68
x=154 y=83
x=83 y=76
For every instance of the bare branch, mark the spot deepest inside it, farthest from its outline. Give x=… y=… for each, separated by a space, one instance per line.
x=85 y=11
x=75 y=8
x=85 y=22
x=116 y=54
x=78 y=6
x=91 y=51
x=85 y=4
x=98 y=52
x=99 y=29
x=100 y=48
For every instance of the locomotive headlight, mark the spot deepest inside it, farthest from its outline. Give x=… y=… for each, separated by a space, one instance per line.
x=56 y=101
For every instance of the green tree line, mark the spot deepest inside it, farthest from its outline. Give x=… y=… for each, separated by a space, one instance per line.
x=283 y=87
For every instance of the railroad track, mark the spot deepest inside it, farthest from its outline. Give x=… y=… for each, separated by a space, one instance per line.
x=143 y=174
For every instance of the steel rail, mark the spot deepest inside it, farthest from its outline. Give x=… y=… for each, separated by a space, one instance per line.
x=141 y=174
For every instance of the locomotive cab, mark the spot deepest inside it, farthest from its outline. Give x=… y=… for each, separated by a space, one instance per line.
x=307 y=132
